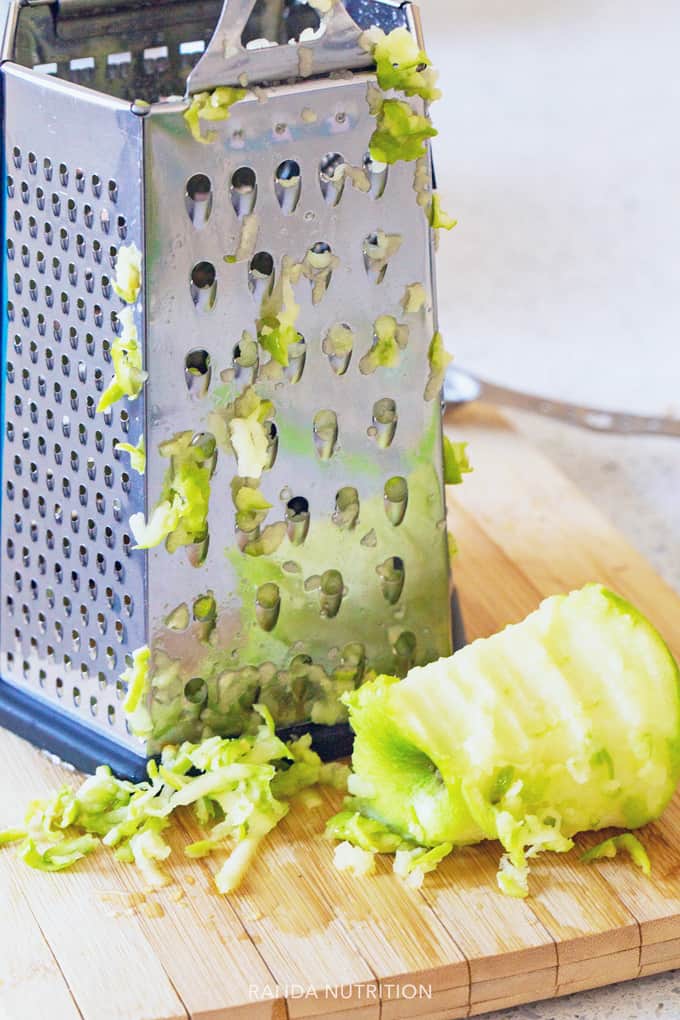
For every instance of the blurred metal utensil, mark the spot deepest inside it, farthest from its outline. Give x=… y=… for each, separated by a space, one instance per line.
x=461 y=387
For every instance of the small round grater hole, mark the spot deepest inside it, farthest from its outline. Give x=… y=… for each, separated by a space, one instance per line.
x=32 y=163
x=109 y=537
x=83 y=556
x=25 y=193
x=88 y=215
x=59 y=687
x=121 y=226
x=10 y=250
x=47 y=169
x=110 y=597
x=288 y=185
x=41 y=262
x=81 y=245
x=63 y=174
x=93 y=705
x=80 y=180
x=40 y=199
x=113 y=255
x=26 y=614
x=196 y=691
x=96 y=185
x=42 y=502
x=111 y=657
x=84 y=615
x=105 y=220
x=59 y=631
x=42 y=569
x=89 y=280
x=97 y=251
x=59 y=573
x=32 y=227
x=119 y=629
x=128 y=605
x=243 y=191
x=42 y=623
x=16 y=157
x=49 y=538
x=18 y=222
x=203 y=285
x=111 y=715
x=48 y=233
x=76 y=697
x=198 y=199
x=100 y=503
x=92 y=648
x=261 y=274
x=112 y=190
x=72 y=210
x=42 y=324
x=101 y=623
x=56 y=204
x=118 y=571
x=92 y=589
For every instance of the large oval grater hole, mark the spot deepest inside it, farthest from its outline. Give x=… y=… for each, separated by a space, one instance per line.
x=198 y=199
x=288 y=185
x=297 y=518
x=243 y=191
x=331 y=593
x=392 y=575
x=197 y=372
x=245 y=360
x=268 y=605
x=347 y=506
x=203 y=284
x=261 y=274
x=404 y=649
x=196 y=691
x=396 y=499
x=325 y=431
x=319 y=262
x=385 y=418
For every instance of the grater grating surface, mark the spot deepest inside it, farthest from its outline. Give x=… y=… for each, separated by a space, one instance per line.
x=76 y=598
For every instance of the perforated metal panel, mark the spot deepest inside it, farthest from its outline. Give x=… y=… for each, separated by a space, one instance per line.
x=72 y=591
x=200 y=302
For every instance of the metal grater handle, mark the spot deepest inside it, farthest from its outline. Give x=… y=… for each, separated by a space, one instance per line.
x=227 y=61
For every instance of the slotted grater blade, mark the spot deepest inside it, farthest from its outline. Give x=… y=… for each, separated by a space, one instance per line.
x=360 y=580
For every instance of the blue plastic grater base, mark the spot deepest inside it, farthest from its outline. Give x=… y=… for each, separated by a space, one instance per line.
x=62 y=735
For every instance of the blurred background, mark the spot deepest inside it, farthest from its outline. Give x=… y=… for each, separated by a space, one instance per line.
x=558 y=156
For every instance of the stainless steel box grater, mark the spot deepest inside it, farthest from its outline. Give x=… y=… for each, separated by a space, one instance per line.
x=353 y=574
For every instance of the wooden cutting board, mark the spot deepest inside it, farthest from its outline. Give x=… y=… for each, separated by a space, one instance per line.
x=301 y=940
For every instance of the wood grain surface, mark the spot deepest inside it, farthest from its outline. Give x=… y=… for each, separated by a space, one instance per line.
x=303 y=941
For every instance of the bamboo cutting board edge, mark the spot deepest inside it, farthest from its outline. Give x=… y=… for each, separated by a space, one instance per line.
x=187 y=954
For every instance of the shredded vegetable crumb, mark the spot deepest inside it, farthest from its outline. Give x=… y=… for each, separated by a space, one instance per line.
x=239 y=789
